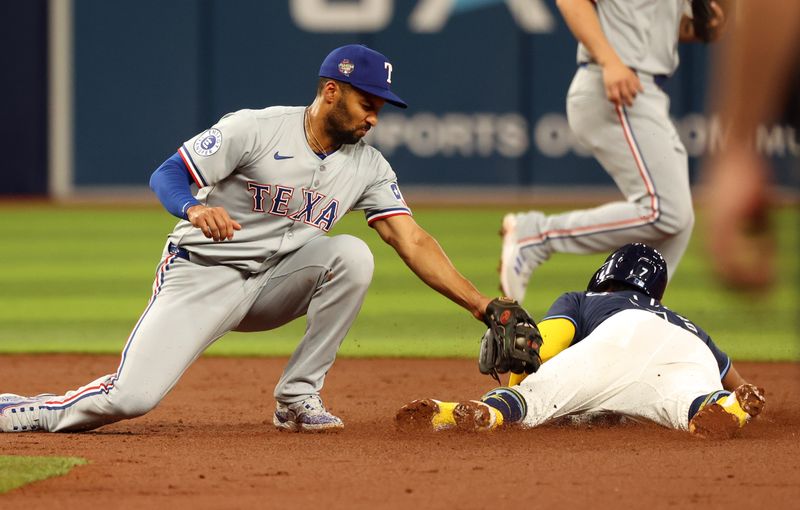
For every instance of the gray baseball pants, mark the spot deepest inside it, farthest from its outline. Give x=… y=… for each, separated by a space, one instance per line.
x=194 y=305
x=640 y=149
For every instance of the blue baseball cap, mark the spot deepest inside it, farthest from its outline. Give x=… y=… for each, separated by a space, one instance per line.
x=364 y=69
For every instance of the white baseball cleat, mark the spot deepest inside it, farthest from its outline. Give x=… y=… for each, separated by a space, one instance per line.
x=513 y=274
x=510 y=282
x=18 y=413
x=521 y=255
x=308 y=415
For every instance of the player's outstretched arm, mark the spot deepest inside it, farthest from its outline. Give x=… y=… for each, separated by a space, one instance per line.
x=423 y=254
x=557 y=334
x=621 y=83
x=214 y=222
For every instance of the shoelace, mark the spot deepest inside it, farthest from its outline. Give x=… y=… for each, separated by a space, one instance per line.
x=314 y=404
x=24 y=417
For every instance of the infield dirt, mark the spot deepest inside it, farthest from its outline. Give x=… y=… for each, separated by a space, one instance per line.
x=211 y=444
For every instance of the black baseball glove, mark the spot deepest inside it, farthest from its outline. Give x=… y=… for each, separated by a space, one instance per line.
x=512 y=341
x=702 y=14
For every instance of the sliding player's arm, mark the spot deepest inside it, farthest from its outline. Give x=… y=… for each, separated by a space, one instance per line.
x=557 y=334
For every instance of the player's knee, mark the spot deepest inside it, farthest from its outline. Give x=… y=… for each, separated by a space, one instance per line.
x=686 y=221
x=676 y=221
x=355 y=257
x=132 y=406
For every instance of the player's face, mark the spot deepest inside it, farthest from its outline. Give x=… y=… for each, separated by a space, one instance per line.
x=353 y=115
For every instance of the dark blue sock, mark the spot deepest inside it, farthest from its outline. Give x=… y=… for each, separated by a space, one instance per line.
x=510 y=403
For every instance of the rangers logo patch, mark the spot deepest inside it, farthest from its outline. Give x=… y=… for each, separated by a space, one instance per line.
x=208 y=143
x=346 y=67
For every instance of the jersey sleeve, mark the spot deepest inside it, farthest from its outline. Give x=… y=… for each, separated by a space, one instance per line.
x=567 y=306
x=557 y=335
x=170 y=182
x=382 y=198
x=215 y=153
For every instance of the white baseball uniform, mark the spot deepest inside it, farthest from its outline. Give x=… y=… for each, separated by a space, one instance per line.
x=630 y=355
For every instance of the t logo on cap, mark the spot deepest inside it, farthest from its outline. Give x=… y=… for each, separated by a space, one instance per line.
x=364 y=69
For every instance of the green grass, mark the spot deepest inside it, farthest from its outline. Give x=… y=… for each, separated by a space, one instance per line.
x=75 y=279
x=16 y=471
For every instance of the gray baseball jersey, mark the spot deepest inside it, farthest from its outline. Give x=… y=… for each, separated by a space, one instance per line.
x=280 y=266
x=644 y=33
x=259 y=167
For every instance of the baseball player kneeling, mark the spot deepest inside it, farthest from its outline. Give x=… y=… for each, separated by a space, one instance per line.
x=250 y=252
x=613 y=348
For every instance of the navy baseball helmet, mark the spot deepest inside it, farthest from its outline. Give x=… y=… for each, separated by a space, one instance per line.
x=364 y=69
x=636 y=265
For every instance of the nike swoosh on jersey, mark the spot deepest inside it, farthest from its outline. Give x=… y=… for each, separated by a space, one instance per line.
x=279 y=157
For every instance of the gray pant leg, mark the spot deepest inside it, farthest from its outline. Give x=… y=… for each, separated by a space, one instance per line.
x=326 y=280
x=191 y=307
x=640 y=149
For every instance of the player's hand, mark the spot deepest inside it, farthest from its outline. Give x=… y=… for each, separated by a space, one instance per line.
x=717 y=22
x=706 y=23
x=622 y=84
x=740 y=239
x=214 y=222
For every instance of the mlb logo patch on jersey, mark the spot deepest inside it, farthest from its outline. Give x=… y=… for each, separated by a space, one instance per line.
x=346 y=67
x=208 y=143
